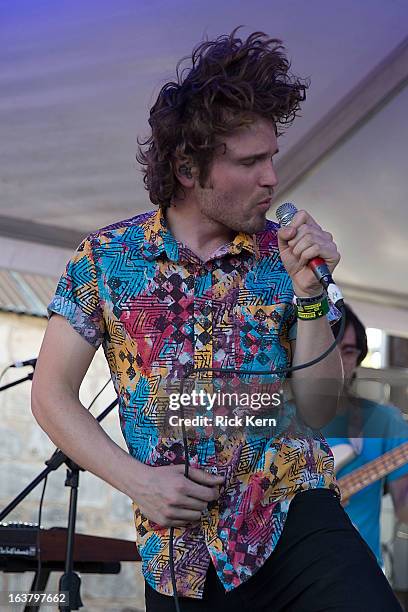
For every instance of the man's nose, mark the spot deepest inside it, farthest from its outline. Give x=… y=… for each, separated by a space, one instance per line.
x=269 y=177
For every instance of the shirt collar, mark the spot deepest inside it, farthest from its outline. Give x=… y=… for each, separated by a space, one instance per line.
x=158 y=239
x=154 y=232
x=244 y=241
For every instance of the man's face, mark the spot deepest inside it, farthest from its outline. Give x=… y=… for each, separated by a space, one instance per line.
x=349 y=352
x=240 y=185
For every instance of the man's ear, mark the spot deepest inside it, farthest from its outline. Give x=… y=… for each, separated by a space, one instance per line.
x=185 y=172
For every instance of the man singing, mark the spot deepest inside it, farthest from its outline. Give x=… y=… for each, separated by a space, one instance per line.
x=206 y=281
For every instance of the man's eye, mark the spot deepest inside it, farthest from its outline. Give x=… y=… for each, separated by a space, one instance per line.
x=249 y=162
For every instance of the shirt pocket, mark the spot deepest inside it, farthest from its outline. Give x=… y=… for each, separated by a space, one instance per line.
x=261 y=337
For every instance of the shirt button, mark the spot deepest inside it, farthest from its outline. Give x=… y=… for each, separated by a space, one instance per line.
x=212 y=470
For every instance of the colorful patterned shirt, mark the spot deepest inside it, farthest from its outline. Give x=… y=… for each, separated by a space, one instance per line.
x=159 y=311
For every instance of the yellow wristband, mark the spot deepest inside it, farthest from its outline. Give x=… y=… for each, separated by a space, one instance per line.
x=309 y=312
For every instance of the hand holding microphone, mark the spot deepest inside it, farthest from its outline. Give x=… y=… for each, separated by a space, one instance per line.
x=308 y=253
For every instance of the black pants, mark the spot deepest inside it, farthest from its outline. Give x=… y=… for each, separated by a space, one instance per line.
x=320 y=564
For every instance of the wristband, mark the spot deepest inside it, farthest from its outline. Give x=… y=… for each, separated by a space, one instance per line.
x=300 y=301
x=316 y=310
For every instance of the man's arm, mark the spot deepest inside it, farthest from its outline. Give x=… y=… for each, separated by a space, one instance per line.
x=399 y=493
x=167 y=497
x=62 y=364
x=316 y=388
x=313 y=338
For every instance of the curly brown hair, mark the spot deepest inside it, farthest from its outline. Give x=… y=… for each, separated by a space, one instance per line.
x=229 y=84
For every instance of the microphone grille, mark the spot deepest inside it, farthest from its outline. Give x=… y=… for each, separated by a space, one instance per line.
x=285 y=213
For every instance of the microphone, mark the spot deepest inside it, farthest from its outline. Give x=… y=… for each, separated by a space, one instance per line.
x=285 y=213
x=21 y=364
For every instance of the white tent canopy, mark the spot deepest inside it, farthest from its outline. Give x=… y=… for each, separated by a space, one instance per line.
x=77 y=82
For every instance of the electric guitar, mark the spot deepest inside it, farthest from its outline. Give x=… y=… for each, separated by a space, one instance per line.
x=373 y=470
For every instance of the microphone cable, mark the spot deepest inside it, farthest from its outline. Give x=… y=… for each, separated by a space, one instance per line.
x=3 y=372
x=98 y=394
x=301 y=366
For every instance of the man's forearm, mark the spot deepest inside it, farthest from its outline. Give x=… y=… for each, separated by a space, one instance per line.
x=313 y=338
x=316 y=388
x=79 y=435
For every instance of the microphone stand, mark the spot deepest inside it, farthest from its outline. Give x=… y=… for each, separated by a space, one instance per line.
x=70 y=581
x=17 y=382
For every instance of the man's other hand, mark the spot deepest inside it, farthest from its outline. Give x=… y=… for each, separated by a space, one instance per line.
x=172 y=500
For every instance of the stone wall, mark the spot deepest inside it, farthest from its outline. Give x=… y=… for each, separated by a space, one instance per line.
x=24 y=447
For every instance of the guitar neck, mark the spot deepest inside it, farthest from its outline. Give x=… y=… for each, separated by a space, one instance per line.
x=372 y=471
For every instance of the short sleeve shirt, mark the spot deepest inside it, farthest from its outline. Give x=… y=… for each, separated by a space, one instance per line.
x=159 y=312
x=384 y=429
